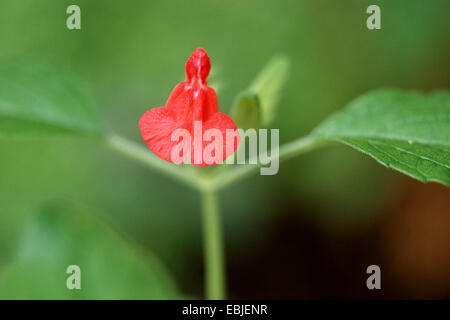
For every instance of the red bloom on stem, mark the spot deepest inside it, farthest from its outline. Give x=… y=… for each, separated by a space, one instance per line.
x=192 y=106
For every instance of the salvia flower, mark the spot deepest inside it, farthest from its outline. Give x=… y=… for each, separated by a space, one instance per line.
x=190 y=124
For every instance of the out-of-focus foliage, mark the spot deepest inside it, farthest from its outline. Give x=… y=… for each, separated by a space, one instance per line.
x=247 y=111
x=256 y=107
x=62 y=235
x=38 y=100
x=267 y=86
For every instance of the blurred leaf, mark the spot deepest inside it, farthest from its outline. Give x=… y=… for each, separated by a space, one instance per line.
x=403 y=130
x=111 y=268
x=267 y=86
x=246 y=111
x=40 y=100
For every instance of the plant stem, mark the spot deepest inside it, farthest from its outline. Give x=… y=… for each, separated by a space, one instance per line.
x=287 y=151
x=135 y=151
x=213 y=248
x=185 y=174
x=208 y=186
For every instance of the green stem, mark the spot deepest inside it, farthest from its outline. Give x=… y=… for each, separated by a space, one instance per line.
x=213 y=248
x=180 y=173
x=187 y=175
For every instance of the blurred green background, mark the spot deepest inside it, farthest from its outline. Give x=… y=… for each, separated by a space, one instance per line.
x=308 y=232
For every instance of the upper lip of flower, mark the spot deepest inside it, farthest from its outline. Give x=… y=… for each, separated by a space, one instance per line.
x=198 y=66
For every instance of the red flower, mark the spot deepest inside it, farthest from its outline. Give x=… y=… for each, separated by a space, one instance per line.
x=192 y=106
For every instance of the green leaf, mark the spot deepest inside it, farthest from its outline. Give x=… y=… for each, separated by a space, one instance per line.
x=404 y=130
x=267 y=86
x=246 y=111
x=111 y=267
x=40 y=100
